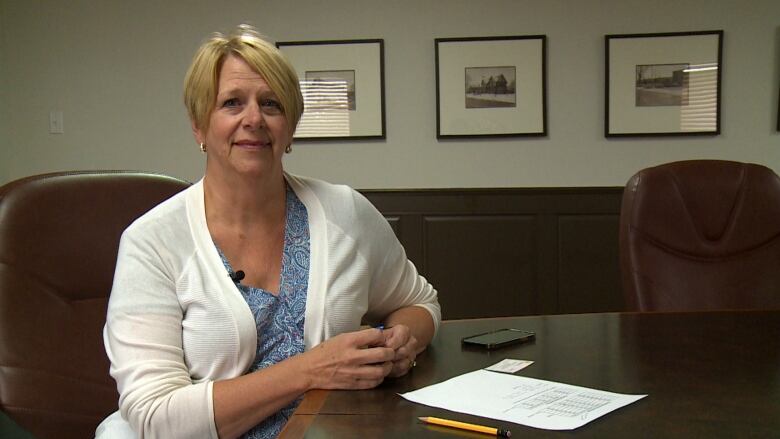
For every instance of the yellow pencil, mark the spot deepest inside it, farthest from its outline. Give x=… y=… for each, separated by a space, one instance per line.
x=466 y=426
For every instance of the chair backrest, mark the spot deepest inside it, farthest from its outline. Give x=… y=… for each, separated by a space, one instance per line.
x=701 y=235
x=59 y=235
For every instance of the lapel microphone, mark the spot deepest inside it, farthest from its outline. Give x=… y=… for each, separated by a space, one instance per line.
x=237 y=276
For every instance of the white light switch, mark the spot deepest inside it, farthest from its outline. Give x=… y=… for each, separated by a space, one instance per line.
x=55 y=122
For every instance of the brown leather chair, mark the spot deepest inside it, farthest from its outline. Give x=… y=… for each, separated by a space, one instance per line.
x=701 y=235
x=59 y=235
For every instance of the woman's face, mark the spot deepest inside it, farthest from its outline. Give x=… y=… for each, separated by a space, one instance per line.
x=248 y=131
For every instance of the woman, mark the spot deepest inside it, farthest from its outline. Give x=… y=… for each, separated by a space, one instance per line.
x=237 y=295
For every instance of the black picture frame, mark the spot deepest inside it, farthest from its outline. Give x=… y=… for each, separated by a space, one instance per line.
x=663 y=84
x=491 y=86
x=343 y=86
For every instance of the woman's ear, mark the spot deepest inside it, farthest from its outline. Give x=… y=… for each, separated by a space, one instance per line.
x=199 y=135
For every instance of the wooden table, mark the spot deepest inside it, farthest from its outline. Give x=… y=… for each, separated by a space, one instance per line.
x=707 y=375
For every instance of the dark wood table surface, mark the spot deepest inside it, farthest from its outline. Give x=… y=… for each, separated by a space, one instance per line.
x=707 y=375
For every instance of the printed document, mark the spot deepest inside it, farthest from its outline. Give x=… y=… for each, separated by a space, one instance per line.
x=527 y=401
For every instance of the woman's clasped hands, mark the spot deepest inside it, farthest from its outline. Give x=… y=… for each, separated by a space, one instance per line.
x=362 y=359
x=400 y=339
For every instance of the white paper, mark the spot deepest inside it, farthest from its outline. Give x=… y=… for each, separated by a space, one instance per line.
x=522 y=400
x=509 y=365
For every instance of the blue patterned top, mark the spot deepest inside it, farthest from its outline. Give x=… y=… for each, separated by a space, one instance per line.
x=279 y=319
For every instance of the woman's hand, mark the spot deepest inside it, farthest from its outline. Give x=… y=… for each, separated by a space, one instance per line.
x=353 y=360
x=399 y=338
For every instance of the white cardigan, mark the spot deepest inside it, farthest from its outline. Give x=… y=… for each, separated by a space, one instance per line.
x=176 y=322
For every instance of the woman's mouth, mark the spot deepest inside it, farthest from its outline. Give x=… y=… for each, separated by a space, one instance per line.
x=252 y=144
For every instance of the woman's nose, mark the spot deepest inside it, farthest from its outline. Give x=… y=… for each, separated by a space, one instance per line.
x=253 y=118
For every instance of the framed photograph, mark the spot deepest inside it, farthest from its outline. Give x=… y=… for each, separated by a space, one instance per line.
x=491 y=86
x=665 y=84
x=343 y=87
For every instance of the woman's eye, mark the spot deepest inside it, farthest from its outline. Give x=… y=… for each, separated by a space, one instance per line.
x=232 y=102
x=271 y=106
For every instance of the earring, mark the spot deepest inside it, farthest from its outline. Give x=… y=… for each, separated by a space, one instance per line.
x=202 y=147
x=288 y=149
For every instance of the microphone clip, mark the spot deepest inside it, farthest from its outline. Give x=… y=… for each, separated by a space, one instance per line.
x=237 y=276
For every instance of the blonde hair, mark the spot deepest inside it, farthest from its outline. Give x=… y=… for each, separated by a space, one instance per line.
x=202 y=81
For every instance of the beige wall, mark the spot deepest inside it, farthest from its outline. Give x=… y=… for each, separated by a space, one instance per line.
x=4 y=147
x=114 y=68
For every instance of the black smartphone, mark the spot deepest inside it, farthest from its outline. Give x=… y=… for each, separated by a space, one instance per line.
x=499 y=338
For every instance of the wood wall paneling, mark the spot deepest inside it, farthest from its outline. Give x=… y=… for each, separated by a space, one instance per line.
x=501 y=252
x=589 y=276
x=483 y=266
